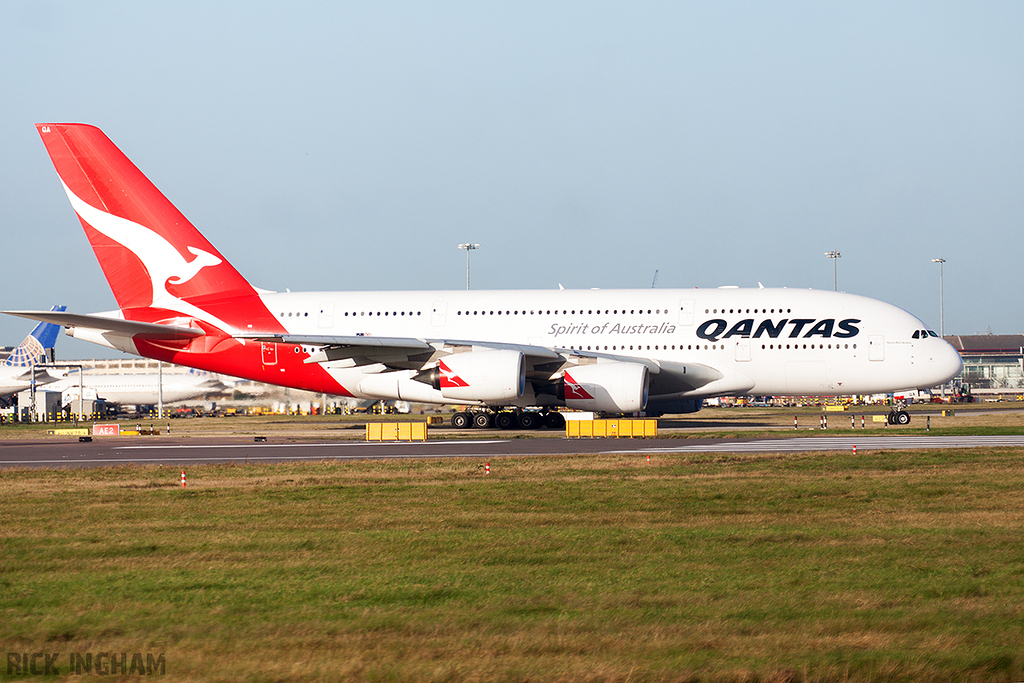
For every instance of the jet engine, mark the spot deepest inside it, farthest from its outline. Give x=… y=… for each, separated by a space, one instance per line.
x=491 y=376
x=613 y=387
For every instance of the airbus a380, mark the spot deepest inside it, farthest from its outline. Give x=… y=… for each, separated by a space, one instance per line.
x=496 y=352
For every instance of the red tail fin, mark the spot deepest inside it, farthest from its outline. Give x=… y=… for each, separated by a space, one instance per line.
x=152 y=256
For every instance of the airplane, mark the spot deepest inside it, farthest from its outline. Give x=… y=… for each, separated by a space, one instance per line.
x=135 y=389
x=16 y=372
x=510 y=357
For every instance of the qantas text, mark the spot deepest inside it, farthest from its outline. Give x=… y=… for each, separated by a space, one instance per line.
x=713 y=329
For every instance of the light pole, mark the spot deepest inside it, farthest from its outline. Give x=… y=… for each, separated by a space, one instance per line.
x=468 y=247
x=834 y=255
x=942 y=329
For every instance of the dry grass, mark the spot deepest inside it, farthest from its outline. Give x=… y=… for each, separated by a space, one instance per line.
x=888 y=566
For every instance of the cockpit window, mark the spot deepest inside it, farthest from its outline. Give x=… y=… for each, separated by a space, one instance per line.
x=917 y=334
x=931 y=333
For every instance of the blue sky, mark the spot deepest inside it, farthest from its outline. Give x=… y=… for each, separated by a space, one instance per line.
x=354 y=145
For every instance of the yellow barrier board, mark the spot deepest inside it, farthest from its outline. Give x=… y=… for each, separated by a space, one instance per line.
x=396 y=431
x=879 y=418
x=835 y=409
x=577 y=429
x=68 y=432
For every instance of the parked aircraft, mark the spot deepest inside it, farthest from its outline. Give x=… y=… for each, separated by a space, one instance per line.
x=511 y=356
x=16 y=372
x=136 y=389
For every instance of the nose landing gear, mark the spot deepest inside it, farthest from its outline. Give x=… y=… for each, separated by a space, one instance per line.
x=899 y=415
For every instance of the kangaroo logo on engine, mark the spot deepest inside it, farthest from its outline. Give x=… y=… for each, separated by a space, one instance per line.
x=715 y=329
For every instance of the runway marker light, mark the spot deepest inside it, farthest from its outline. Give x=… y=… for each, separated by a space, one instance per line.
x=487 y=468
x=794 y=423
x=855 y=449
x=183 y=479
x=648 y=458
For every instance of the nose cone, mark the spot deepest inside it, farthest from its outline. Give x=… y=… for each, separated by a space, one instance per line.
x=944 y=364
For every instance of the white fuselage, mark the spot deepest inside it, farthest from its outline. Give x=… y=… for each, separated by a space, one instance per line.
x=132 y=389
x=762 y=341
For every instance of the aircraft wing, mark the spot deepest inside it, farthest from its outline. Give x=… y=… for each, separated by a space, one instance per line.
x=350 y=341
x=396 y=352
x=102 y=322
x=667 y=377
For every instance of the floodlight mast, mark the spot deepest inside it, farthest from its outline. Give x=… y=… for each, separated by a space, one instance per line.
x=942 y=326
x=468 y=247
x=834 y=255
x=942 y=329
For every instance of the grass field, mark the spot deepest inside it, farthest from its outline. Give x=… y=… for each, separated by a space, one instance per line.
x=901 y=566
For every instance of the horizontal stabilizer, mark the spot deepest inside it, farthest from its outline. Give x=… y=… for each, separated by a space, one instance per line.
x=40 y=376
x=101 y=322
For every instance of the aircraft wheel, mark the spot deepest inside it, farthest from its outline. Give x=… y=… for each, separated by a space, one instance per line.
x=505 y=420
x=902 y=417
x=461 y=420
x=891 y=418
x=482 y=420
x=554 y=421
x=529 y=420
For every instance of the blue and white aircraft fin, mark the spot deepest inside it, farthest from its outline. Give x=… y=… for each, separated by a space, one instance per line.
x=42 y=337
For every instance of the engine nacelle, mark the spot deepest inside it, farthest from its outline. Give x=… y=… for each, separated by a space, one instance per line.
x=492 y=376
x=613 y=387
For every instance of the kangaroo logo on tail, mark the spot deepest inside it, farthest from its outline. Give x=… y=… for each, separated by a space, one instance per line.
x=164 y=263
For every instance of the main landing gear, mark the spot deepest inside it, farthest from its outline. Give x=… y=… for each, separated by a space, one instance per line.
x=508 y=419
x=899 y=415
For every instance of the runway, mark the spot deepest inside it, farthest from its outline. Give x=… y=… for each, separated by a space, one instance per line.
x=104 y=452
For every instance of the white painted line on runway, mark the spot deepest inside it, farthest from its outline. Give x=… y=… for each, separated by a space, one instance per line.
x=339 y=444
x=239 y=458
x=840 y=443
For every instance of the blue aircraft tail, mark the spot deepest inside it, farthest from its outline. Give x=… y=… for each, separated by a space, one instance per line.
x=43 y=337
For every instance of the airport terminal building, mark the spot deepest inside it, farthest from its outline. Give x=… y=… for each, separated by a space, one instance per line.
x=993 y=363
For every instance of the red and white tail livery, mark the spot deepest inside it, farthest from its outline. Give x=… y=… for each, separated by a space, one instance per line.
x=612 y=351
